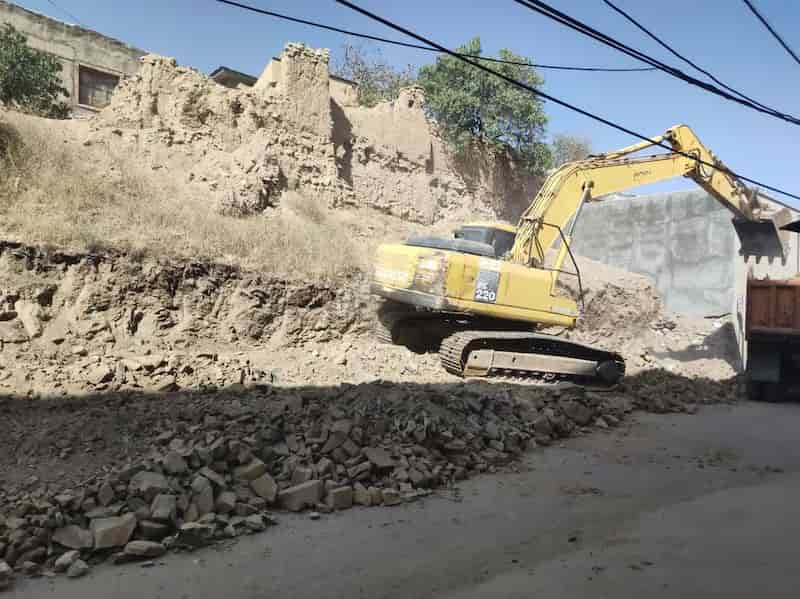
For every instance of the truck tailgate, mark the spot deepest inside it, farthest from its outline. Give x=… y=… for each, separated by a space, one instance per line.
x=773 y=307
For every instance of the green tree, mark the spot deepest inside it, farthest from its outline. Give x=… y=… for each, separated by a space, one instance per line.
x=29 y=79
x=470 y=104
x=567 y=148
x=377 y=80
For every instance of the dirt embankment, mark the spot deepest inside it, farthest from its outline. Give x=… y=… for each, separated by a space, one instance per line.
x=74 y=323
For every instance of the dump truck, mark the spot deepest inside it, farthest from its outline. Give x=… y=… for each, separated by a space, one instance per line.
x=772 y=331
x=481 y=297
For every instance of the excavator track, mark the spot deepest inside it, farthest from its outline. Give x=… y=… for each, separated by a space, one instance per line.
x=526 y=354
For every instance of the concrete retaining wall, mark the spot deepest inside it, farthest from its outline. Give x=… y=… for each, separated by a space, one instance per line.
x=684 y=241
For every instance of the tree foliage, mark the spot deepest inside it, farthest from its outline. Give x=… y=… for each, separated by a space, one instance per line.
x=567 y=148
x=29 y=79
x=471 y=104
x=377 y=80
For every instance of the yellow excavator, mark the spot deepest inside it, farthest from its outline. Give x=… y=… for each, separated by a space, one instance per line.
x=480 y=296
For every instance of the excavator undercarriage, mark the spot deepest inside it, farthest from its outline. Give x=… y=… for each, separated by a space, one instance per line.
x=482 y=347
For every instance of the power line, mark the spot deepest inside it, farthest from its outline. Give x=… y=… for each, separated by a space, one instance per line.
x=572 y=23
x=692 y=64
x=66 y=12
x=384 y=40
x=555 y=100
x=772 y=31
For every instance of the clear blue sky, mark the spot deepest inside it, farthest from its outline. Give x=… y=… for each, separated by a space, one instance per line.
x=720 y=35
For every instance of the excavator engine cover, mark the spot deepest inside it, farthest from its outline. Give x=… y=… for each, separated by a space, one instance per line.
x=759 y=238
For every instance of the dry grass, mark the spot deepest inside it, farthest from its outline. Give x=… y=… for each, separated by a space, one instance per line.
x=54 y=191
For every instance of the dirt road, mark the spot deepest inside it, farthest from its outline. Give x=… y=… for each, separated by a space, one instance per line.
x=672 y=505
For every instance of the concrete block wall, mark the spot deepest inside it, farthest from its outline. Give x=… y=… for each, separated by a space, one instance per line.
x=684 y=241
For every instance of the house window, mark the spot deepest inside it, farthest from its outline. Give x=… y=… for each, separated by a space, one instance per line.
x=95 y=87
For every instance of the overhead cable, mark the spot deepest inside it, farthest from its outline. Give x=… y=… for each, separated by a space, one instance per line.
x=384 y=40
x=675 y=53
x=774 y=33
x=533 y=90
x=556 y=15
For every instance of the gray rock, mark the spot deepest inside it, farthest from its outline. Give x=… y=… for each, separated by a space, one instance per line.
x=153 y=531
x=324 y=466
x=577 y=412
x=301 y=475
x=145 y=549
x=226 y=502
x=217 y=479
x=391 y=497
x=73 y=537
x=164 y=508
x=255 y=523
x=251 y=471
x=174 y=463
x=265 y=487
x=6 y=575
x=245 y=509
x=105 y=495
x=65 y=560
x=195 y=534
x=77 y=569
x=377 y=496
x=360 y=471
x=203 y=495
x=113 y=532
x=379 y=457
x=148 y=484
x=298 y=497
x=335 y=439
x=340 y=498
x=491 y=430
x=350 y=448
x=342 y=426
x=361 y=496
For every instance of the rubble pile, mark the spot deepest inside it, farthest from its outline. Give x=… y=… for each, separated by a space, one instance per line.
x=184 y=470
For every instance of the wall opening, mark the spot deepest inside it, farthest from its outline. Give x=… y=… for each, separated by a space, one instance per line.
x=95 y=87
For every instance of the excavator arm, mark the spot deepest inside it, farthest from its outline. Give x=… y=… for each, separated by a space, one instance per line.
x=554 y=212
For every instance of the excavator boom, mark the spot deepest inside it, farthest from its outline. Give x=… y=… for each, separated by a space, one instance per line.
x=556 y=207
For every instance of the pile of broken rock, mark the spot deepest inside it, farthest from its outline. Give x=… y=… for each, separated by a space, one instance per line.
x=216 y=463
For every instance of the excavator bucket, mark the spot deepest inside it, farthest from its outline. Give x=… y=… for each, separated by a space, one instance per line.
x=759 y=238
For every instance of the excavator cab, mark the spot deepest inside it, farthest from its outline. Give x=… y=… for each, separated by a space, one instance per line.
x=500 y=236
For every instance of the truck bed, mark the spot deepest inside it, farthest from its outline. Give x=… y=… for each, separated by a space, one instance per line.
x=773 y=309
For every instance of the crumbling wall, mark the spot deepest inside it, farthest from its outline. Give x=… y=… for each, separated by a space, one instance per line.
x=242 y=148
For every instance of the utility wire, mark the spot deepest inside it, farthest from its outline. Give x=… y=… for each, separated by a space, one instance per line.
x=572 y=23
x=774 y=33
x=533 y=90
x=692 y=64
x=428 y=48
x=66 y=12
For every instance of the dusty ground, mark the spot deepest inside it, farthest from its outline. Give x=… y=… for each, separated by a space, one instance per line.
x=673 y=505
